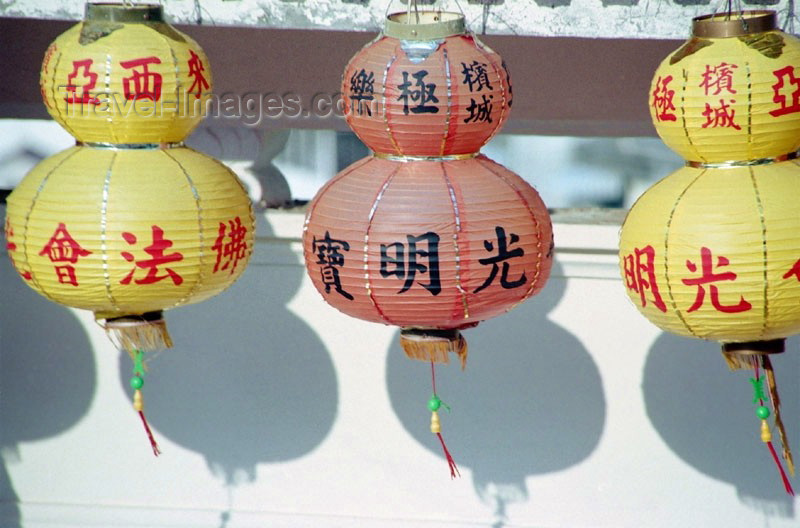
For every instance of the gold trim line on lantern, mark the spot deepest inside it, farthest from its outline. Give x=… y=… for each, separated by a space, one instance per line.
x=424 y=25
x=404 y=159
x=743 y=163
x=130 y=146
x=734 y=24
x=118 y=12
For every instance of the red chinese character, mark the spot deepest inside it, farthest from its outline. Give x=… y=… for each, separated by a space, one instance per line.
x=640 y=276
x=11 y=246
x=156 y=251
x=232 y=251
x=63 y=248
x=779 y=98
x=708 y=277
x=794 y=271
x=662 y=100
x=89 y=81
x=196 y=70
x=142 y=84
x=720 y=117
x=718 y=78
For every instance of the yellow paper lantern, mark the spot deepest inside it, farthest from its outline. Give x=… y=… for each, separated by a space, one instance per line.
x=711 y=250
x=129 y=222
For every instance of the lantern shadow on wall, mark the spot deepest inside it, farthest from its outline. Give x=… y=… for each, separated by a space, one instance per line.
x=706 y=416
x=47 y=379
x=532 y=389
x=233 y=387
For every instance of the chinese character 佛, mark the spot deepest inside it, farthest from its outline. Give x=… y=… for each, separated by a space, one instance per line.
x=406 y=263
x=709 y=277
x=158 y=258
x=63 y=249
x=640 y=275
x=234 y=249
x=503 y=255
x=329 y=256
x=421 y=96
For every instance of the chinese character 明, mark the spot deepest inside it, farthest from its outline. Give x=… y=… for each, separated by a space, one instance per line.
x=142 y=84
x=62 y=248
x=11 y=246
x=718 y=78
x=406 y=266
x=778 y=97
x=662 y=100
x=158 y=258
x=503 y=254
x=640 y=275
x=235 y=249
x=480 y=112
x=720 y=117
x=794 y=271
x=328 y=251
x=421 y=96
x=709 y=277
x=196 y=70
x=84 y=68
x=475 y=76
x=362 y=88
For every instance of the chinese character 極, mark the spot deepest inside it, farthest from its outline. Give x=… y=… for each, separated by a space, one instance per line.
x=158 y=258
x=709 y=277
x=328 y=251
x=475 y=76
x=62 y=248
x=640 y=275
x=407 y=265
x=362 y=88
x=793 y=83
x=142 y=84
x=718 y=78
x=503 y=255
x=422 y=95
x=234 y=249
x=196 y=70
x=662 y=100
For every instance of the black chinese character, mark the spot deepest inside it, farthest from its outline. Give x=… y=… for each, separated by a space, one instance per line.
x=328 y=254
x=422 y=95
x=407 y=269
x=503 y=254
x=510 y=89
x=362 y=88
x=480 y=112
x=476 y=76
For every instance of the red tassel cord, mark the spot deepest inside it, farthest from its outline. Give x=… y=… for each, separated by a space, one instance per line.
x=763 y=413
x=434 y=404
x=137 y=381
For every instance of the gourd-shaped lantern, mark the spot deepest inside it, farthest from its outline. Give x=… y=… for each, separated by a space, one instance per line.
x=711 y=251
x=426 y=233
x=129 y=222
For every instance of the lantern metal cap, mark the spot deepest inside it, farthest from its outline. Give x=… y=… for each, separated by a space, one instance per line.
x=117 y=12
x=734 y=24
x=424 y=25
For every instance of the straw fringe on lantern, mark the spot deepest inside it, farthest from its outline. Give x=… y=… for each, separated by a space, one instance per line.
x=434 y=345
x=739 y=356
x=147 y=332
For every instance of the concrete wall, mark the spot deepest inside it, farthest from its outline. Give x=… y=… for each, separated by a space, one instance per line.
x=275 y=410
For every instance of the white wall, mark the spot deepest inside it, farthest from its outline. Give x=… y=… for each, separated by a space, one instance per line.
x=275 y=410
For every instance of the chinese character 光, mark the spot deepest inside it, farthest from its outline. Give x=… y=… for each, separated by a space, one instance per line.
x=407 y=265
x=158 y=258
x=63 y=249
x=328 y=251
x=232 y=251
x=503 y=255
x=362 y=89
x=421 y=96
x=640 y=275
x=142 y=84
x=662 y=100
x=709 y=277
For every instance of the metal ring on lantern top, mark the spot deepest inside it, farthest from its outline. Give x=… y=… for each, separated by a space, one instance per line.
x=722 y=25
x=425 y=25
x=113 y=12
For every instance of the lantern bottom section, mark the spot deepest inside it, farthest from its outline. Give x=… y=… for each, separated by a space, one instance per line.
x=739 y=355
x=435 y=345
x=146 y=332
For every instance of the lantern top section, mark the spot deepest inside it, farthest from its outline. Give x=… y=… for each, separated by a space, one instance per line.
x=425 y=25
x=723 y=25
x=116 y=12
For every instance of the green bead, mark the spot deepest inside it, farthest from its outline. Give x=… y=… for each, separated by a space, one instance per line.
x=762 y=412
x=137 y=382
x=434 y=403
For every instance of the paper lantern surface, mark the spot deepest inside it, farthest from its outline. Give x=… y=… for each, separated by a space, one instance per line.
x=730 y=92
x=125 y=76
x=412 y=95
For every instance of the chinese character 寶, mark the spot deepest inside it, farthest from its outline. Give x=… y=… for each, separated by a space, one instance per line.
x=329 y=256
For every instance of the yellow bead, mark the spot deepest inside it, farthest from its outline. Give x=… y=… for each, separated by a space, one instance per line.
x=138 y=402
x=436 y=427
x=766 y=435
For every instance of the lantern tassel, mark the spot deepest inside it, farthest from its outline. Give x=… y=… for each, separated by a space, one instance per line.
x=786 y=484
x=434 y=404
x=137 y=382
x=450 y=462
x=772 y=385
x=139 y=406
x=764 y=413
